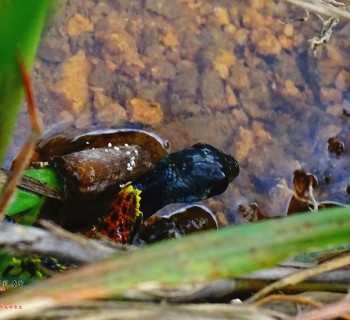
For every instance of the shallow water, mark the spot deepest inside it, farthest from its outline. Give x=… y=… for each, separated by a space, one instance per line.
x=232 y=75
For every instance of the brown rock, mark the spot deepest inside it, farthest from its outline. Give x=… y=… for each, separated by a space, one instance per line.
x=108 y=112
x=84 y=119
x=286 y=42
x=330 y=95
x=212 y=90
x=78 y=25
x=253 y=19
x=170 y=39
x=223 y=61
x=225 y=57
x=335 y=110
x=102 y=77
x=342 y=81
x=240 y=117
x=166 y=8
x=241 y=36
x=244 y=144
x=230 y=29
x=145 y=112
x=288 y=30
x=121 y=49
x=290 y=89
x=268 y=44
x=221 y=15
x=185 y=84
x=327 y=73
x=54 y=49
x=230 y=96
x=72 y=87
x=240 y=78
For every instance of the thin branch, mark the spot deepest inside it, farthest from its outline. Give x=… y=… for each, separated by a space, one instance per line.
x=57 y=242
x=320 y=8
x=300 y=276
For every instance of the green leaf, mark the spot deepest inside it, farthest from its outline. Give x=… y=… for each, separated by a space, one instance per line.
x=25 y=200
x=21 y=23
x=47 y=175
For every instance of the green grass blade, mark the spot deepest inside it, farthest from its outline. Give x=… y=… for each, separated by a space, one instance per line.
x=21 y=23
x=207 y=256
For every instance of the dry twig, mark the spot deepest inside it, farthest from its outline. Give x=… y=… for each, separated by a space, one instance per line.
x=301 y=276
x=57 y=243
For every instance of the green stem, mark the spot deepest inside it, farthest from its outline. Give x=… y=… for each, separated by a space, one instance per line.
x=226 y=253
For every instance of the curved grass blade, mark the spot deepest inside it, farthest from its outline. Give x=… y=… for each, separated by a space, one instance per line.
x=21 y=23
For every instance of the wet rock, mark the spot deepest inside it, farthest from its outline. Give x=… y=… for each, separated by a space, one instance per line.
x=240 y=117
x=72 y=87
x=244 y=144
x=223 y=61
x=266 y=42
x=78 y=24
x=149 y=37
x=286 y=42
x=192 y=130
x=151 y=91
x=240 y=78
x=330 y=95
x=221 y=15
x=107 y=111
x=185 y=84
x=102 y=77
x=54 y=50
x=168 y=9
x=212 y=90
x=252 y=19
x=342 y=81
x=84 y=119
x=146 y=112
x=170 y=38
x=215 y=39
x=289 y=89
x=230 y=96
x=183 y=107
x=121 y=49
x=190 y=46
x=162 y=70
x=114 y=115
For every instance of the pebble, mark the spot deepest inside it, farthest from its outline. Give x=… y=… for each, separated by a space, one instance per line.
x=185 y=84
x=54 y=50
x=330 y=95
x=290 y=89
x=102 y=77
x=170 y=39
x=145 y=112
x=253 y=19
x=240 y=79
x=342 y=81
x=221 y=15
x=230 y=96
x=72 y=87
x=267 y=43
x=212 y=90
x=244 y=144
x=166 y=8
x=78 y=24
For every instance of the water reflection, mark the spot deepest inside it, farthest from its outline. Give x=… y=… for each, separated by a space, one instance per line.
x=231 y=75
